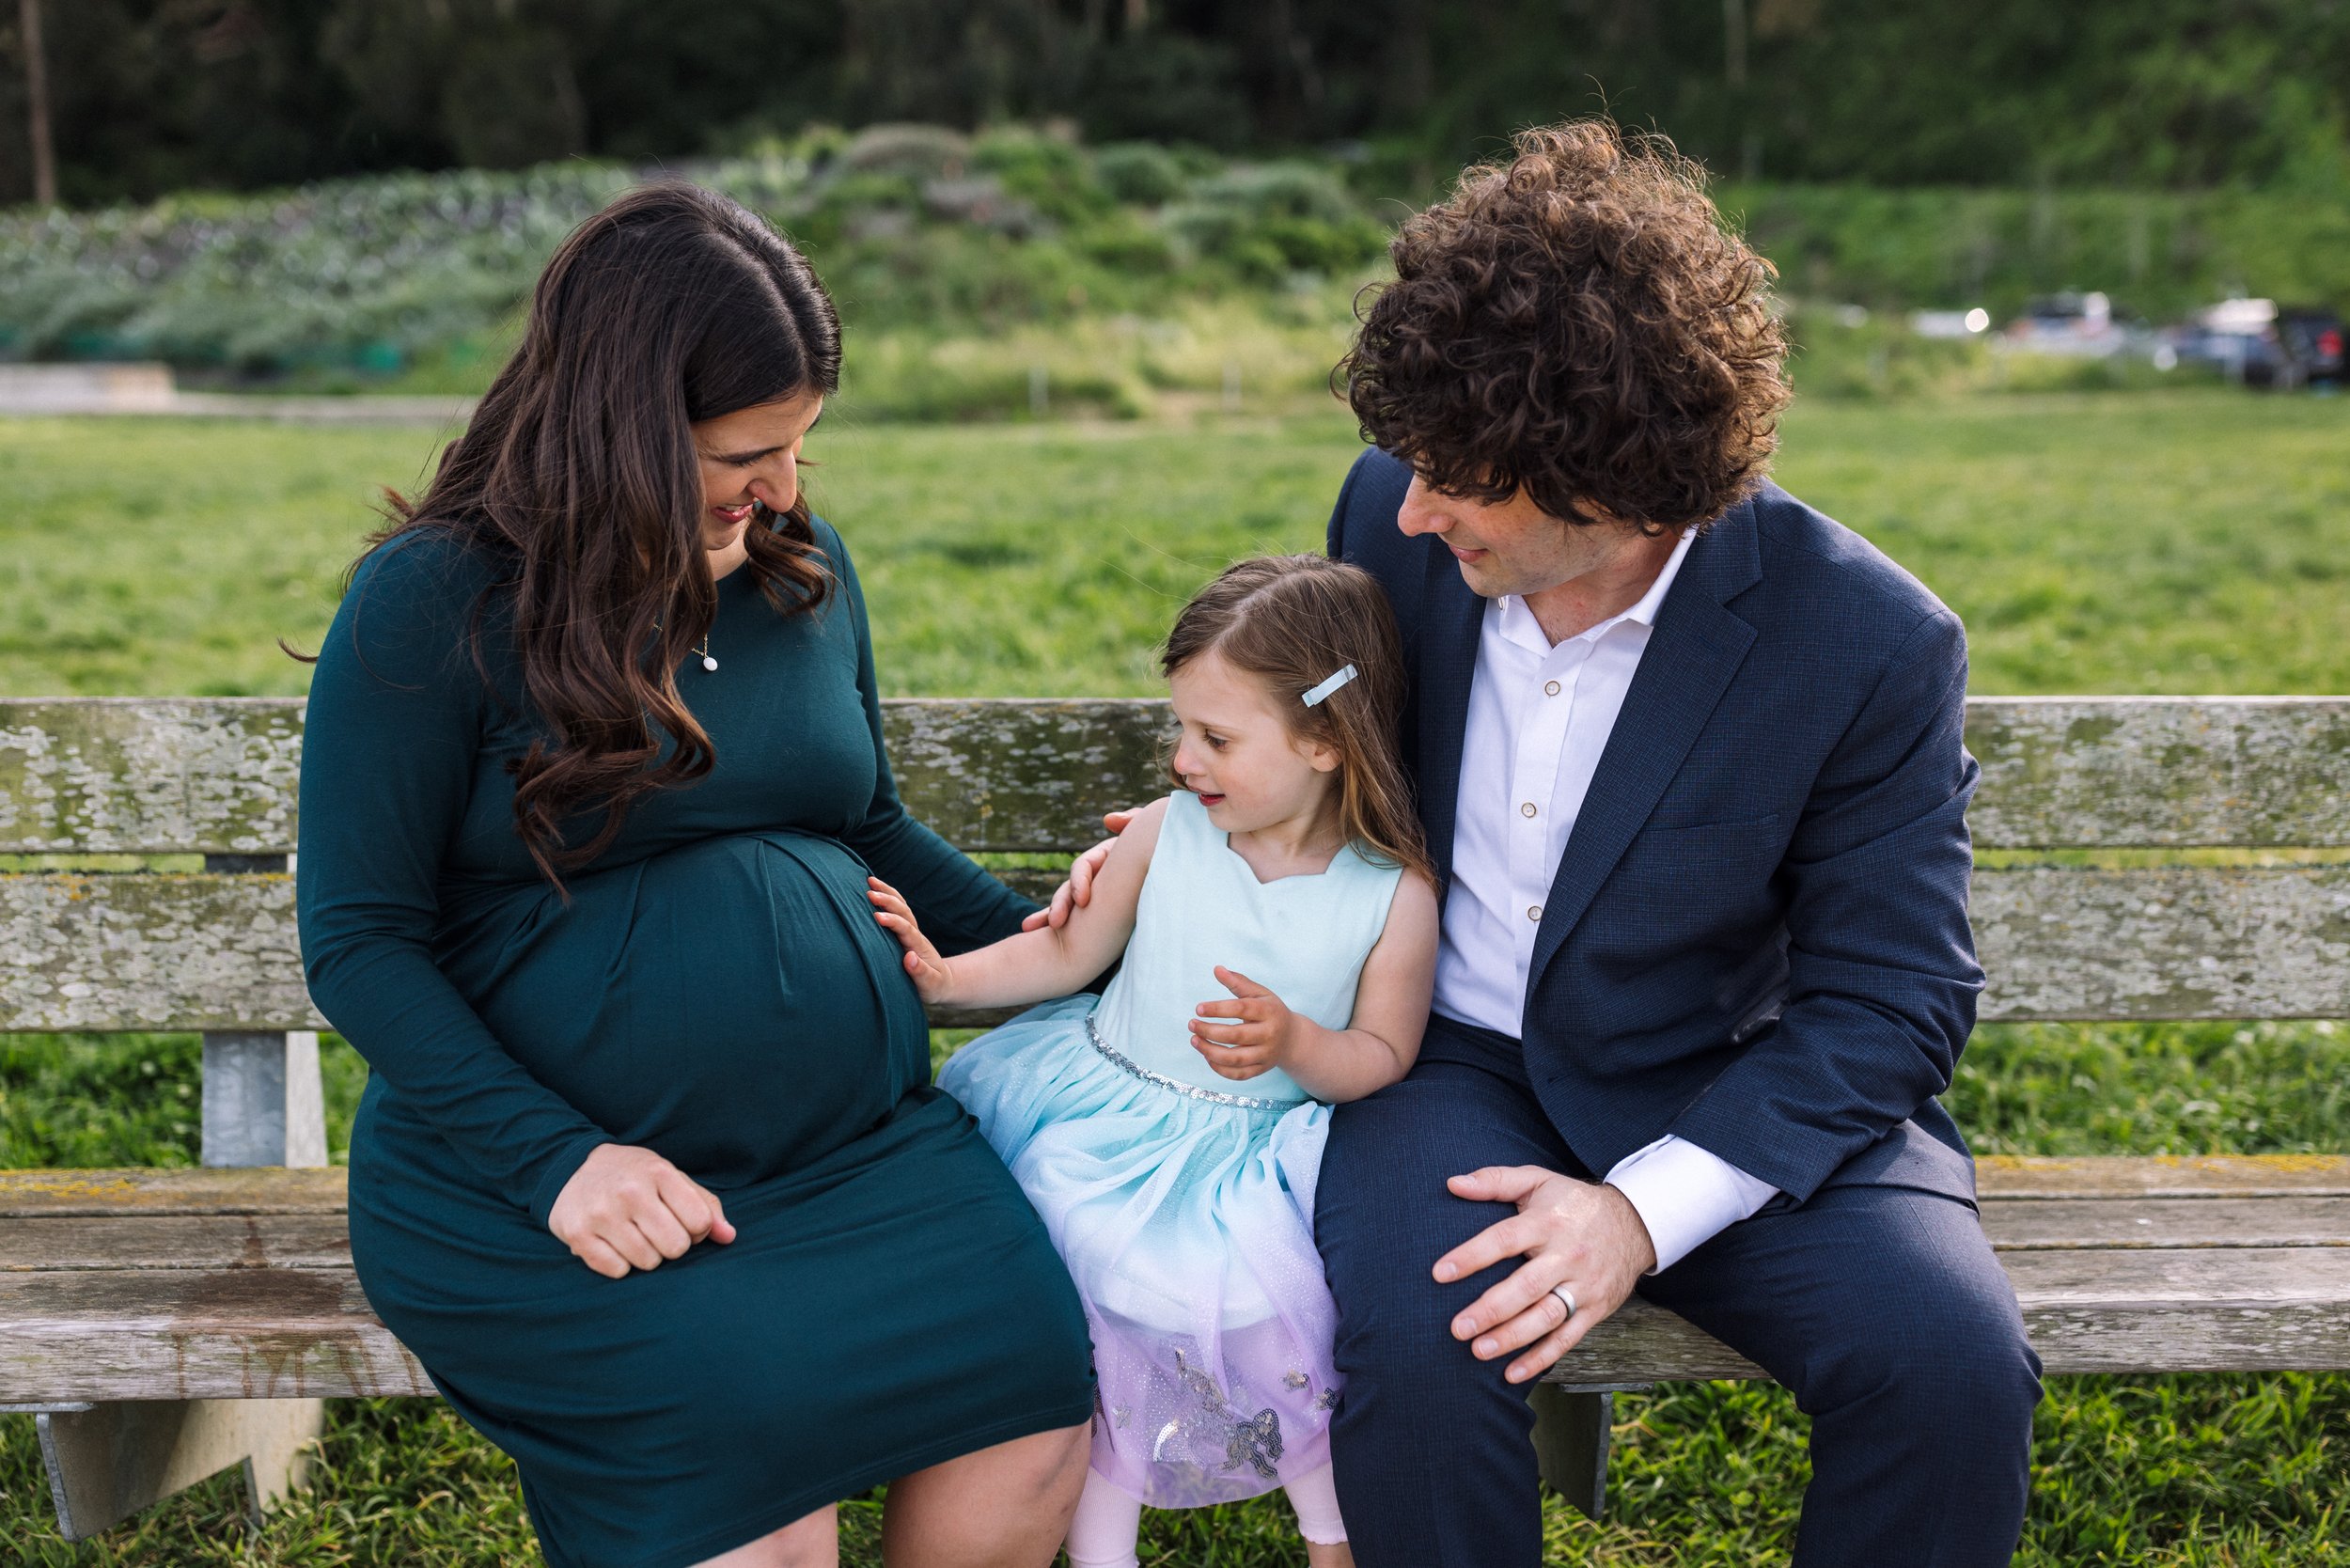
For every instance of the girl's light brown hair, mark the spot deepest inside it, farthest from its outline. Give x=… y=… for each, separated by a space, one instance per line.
x=1293 y=621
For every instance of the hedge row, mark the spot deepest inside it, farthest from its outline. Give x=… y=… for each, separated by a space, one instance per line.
x=910 y=226
x=919 y=227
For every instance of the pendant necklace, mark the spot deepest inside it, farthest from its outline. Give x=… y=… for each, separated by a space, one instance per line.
x=702 y=652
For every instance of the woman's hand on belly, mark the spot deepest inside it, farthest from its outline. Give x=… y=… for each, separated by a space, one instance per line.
x=629 y=1208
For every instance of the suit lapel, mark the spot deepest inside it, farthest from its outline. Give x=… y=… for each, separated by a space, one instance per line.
x=1692 y=655
x=1451 y=616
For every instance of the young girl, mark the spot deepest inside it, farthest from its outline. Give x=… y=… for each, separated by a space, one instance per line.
x=1278 y=922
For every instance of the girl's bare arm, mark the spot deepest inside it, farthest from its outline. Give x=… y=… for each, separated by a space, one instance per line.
x=1051 y=960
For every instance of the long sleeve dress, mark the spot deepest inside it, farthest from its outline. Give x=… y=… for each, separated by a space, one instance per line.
x=715 y=989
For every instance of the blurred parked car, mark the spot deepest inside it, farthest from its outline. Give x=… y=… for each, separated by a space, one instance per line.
x=2313 y=340
x=2069 y=324
x=2253 y=342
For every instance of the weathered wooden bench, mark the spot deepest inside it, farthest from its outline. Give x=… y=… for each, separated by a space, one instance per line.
x=165 y=1325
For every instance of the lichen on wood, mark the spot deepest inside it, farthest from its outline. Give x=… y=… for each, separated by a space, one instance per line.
x=217 y=775
x=149 y=775
x=142 y=1190
x=188 y=950
x=2160 y=942
x=2160 y=772
x=201 y=950
x=1025 y=775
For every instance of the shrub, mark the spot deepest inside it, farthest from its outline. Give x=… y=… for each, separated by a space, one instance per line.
x=1050 y=173
x=1271 y=219
x=1143 y=173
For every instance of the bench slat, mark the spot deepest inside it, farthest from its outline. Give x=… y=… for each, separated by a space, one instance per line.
x=2091 y=1223
x=149 y=1241
x=282 y=1333
x=2160 y=772
x=2004 y=1178
x=149 y=775
x=190 y=951
x=2000 y=1178
x=1013 y=776
x=176 y=1241
x=2065 y=942
x=263 y=1333
x=127 y=1308
x=200 y=950
x=216 y=775
x=2110 y=1312
x=141 y=1190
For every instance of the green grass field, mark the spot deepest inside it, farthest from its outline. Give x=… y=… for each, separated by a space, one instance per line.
x=2184 y=542
x=2193 y=541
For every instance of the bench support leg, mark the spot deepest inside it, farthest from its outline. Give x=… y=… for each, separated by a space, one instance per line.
x=1570 y=1440
x=263 y=1104
x=110 y=1461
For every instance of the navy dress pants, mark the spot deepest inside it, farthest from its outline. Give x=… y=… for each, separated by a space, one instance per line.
x=1881 y=1306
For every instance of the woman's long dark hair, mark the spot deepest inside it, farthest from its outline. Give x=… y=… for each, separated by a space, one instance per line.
x=671 y=305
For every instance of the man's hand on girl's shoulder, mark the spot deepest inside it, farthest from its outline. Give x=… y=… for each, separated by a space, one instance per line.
x=1078 y=891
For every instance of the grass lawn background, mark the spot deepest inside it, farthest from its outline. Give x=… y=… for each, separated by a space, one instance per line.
x=2189 y=541
x=2194 y=541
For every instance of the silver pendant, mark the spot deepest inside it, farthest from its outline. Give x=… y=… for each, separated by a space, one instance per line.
x=709 y=663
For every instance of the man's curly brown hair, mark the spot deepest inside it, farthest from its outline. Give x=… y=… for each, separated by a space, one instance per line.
x=1576 y=321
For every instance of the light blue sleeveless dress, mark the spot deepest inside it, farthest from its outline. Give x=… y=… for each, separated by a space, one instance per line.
x=1183 y=1201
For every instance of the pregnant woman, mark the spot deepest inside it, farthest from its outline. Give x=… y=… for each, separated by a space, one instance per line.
x=650 y=1173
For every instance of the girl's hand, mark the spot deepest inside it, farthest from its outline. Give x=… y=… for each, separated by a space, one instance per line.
x=1258 y=1041
x=628 y=1208
x=930 y=975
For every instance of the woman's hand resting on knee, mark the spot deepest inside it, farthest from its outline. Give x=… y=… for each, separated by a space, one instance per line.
x=629 y=1208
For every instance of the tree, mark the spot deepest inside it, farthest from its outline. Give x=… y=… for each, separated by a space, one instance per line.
x=493 y=80
x=36 y=102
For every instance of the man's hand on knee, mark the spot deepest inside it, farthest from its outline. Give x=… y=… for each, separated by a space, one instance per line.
x=1582 y=1235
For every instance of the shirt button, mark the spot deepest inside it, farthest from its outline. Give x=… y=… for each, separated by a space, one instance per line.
x=1527 y=809
x=1535 y=913
x=1550 y=688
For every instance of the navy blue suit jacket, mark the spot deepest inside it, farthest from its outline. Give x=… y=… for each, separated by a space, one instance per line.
x=1757 y=938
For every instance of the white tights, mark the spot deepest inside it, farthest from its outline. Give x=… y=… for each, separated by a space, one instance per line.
x=1108 y=1522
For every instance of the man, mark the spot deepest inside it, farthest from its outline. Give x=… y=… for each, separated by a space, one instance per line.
x=1689 y=758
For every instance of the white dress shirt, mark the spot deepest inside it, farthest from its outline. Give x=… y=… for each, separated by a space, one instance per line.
x=1539 y=716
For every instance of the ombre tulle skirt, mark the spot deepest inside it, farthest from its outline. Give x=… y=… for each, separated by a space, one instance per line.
x=1187 y=1221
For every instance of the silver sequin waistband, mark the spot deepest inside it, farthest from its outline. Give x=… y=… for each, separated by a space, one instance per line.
x=1120 y=1059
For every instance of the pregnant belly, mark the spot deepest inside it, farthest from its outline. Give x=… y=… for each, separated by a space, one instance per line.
x=731 y=1005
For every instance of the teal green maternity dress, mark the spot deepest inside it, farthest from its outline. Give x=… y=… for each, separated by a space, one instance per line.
x=715 y=989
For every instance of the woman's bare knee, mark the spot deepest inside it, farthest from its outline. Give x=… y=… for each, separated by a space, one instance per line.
x=1003 y=1507
x=812 y=1540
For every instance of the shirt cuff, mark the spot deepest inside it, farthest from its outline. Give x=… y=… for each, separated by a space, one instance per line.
x=1686 y=1194
x=562 y=1167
